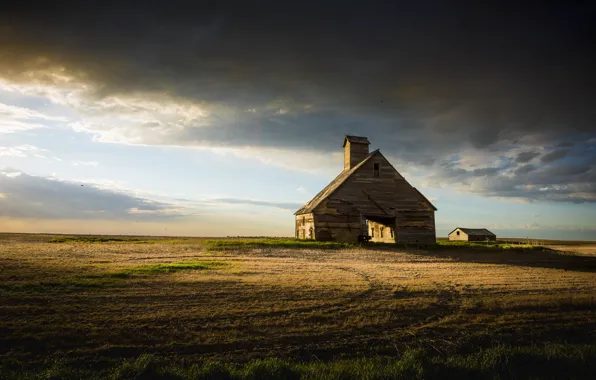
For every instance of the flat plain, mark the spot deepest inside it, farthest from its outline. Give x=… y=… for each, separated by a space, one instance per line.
x=108 y=305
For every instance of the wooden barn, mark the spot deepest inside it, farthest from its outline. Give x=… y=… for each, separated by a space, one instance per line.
x=368 y=200
x=472 y=234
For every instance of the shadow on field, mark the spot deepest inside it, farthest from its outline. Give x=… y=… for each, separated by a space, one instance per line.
x=536 y=257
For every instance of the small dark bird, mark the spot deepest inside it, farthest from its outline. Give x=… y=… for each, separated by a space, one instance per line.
x=81 y=185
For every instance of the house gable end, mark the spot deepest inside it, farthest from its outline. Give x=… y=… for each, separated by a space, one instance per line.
x=382 y=195
x=399 y=177
x=364 y=173
x=462 y=232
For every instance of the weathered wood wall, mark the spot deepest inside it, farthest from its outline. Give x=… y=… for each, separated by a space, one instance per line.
x=481 y=238
x=388 y=196
x=354 y=153
x=337 y=227
x=305 y=226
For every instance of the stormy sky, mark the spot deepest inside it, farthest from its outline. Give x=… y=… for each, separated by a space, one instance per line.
x=470 y=100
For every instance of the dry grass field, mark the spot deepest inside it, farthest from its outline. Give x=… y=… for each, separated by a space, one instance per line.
x=197 y=308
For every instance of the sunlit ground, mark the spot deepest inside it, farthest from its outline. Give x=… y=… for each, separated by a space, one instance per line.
x=190 y=300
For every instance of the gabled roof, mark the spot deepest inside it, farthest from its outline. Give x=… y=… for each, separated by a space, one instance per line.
x=423 y=197
x=355 y=140
x=474 y=231
x=329 y=189
x=338 y=181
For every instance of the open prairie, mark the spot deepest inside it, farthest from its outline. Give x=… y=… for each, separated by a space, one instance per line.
x=115 y=306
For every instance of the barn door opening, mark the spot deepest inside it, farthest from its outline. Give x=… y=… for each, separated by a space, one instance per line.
x=381 y=229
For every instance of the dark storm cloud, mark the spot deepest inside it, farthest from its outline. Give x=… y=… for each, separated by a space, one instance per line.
x=485 y=172
x=554 y=155
x=423 y=80
x=524 y=157
x=26 y=196
x=559 y=182
x=525 y=169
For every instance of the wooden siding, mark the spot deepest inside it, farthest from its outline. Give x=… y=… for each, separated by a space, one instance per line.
x=389 y=196
x=337 y=227
x=304 y=225
x=354 y=153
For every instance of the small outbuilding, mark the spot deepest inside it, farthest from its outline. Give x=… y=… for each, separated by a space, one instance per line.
x=471 y=234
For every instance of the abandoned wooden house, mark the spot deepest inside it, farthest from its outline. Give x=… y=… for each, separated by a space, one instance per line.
x=368 y=200
x=472 y=234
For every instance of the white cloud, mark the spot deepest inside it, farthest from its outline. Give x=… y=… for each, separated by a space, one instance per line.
x=162 y=211
x=27 y=150
x=147 y=118
x=328 y=164
x=18 y=119
x=134 y=119
x=22 y=151
x=22 y=113
x=84 y=163
x=158 y=119
x=12 y=126
x=11 y=174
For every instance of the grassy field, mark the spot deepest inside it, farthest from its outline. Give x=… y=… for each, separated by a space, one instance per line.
x=141 y=307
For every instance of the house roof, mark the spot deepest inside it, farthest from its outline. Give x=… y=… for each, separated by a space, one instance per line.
x=329 y=189
x=338 y=181
x=426 y=199
x=474 y=231
x=355 y=140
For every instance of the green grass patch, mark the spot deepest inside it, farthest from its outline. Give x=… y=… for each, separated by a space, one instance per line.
x=502 y=362
x=171 y=267
x=222 y=244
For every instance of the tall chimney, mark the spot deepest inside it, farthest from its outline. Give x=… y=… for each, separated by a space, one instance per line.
x=355 y=150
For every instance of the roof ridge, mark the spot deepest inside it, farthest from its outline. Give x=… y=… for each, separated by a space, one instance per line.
x=466 y=229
